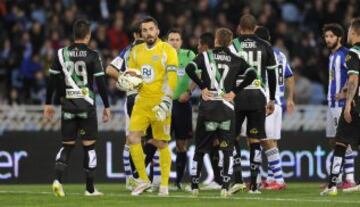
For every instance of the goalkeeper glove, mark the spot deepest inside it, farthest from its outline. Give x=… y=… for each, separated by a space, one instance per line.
x=163 y=109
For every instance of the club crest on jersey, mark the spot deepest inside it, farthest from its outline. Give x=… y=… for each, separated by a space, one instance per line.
x=155 y=57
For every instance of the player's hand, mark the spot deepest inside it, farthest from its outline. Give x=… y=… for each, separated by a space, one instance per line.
x=347 y=113
x=162 y=110
x=340 y=95
x=270 y=107
x=106 y=115
x=290 y=106
x=184 y=97
x=229 y=96
x=206 y=94
x=49 y=111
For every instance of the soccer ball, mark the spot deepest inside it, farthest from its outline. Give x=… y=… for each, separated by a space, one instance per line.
x=131 y=79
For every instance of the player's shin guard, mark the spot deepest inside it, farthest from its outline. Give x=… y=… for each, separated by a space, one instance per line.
x=237 y=163
x=62 y=160
x=227 y=170
x=138 y=158
x=273 y=158
x=90 y=163
x=336 y=164
x=165 y=165
x=349 y=164
x=214 y=158
x=255 y=162
x=181 y=160
x=196 y=169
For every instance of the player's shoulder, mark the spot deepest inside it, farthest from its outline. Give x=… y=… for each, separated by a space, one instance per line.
x=187 y=52
x=138 y=47
x=166 y=46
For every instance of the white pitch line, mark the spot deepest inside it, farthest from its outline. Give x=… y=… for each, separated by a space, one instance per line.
x=200 y=197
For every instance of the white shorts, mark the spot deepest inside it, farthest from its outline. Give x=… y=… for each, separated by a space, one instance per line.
x=332 y=120
x=273 y=124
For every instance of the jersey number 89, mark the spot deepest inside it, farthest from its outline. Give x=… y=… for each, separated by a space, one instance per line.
x=77 y=71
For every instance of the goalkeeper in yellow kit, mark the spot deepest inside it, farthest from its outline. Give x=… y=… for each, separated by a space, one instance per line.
x=158 y=62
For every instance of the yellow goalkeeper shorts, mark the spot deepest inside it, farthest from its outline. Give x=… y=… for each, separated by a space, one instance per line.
x=142 y=116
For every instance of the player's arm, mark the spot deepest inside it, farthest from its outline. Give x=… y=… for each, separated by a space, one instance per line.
x=353 y=65
x=163 y=109
x=271 y=67
x=290 y=87
x=192 y=71
x=52 y=82
x=101 y=84
x=117 y=66
x=250 y=75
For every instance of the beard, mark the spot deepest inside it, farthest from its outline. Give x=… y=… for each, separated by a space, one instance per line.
x=150 y=40
x=334 y=45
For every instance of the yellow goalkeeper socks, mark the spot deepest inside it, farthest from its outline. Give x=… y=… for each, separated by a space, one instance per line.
x=138 y=157
x=165 y=165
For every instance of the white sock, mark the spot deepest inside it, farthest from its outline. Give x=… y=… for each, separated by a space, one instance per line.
x=349 y=164
x=273 y=157
x=156 y=165
x=270 y=175
x=126 y=162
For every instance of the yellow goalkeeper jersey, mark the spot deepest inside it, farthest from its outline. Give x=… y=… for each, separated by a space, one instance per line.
x=158 y=67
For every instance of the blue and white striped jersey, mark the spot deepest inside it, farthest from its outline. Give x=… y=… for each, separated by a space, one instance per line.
x=282 y=73
x=337 y=76
x=120 y=62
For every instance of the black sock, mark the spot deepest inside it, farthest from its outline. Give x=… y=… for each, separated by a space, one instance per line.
x=196 y=169
x=336 y=164
x=133 y=168
x=237 y=164
x=181 y=160
x=227 y=171
x=214 y=158
x=149 y=150
x=90 y=162
x=62 y=160
x=255 y=162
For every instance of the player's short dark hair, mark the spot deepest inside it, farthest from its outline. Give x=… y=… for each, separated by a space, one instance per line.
x=355 y=25
x=335 y=28
x=248 y=22
x=135 y=28
x=81 y=28
x=174 y=30
x=207 y=38
x=223 y=36
x=148 y=19
x=263 y=33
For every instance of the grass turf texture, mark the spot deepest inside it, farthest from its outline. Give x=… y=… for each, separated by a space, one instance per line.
x=297 y=194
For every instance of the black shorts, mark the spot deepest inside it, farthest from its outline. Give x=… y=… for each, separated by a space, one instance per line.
x=349 y=133
x=83 y=125
x=255 y=122
x=130 y=101
x=208 y=129
x=181 y=120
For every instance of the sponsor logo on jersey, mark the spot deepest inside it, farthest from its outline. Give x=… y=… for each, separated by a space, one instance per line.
x=224 y=144
x=253 y=131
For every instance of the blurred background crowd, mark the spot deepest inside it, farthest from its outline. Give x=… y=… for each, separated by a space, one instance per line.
x=32 y=31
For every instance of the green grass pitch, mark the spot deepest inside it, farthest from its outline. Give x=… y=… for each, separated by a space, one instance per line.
x=297 y=194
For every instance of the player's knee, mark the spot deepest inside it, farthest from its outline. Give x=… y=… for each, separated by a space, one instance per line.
x=90 y=158
x=267 y=144
x=88 y=142
x=134 y=138
x=160 y=144
x=341 y=144
x=181 y=146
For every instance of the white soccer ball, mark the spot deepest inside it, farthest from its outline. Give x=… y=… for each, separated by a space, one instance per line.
x=131 y=79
